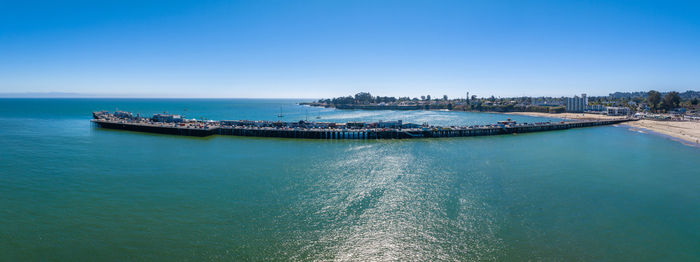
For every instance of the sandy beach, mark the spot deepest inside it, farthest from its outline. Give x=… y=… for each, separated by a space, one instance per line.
x=567 y=115
x=687 y=131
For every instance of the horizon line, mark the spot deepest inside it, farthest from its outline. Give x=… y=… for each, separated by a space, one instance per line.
x=58 y=95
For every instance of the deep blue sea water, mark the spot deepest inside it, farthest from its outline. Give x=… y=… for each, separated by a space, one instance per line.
x=72 y=192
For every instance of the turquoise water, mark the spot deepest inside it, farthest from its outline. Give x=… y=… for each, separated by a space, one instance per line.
x=72 y=192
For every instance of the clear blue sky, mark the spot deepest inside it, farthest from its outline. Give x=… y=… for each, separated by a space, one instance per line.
x=316 y=49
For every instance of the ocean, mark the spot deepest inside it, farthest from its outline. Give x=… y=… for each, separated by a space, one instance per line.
x=70 y=191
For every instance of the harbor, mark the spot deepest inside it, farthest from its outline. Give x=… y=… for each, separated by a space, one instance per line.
x=177 y=125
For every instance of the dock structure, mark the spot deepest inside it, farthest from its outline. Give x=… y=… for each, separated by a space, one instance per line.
x=330 y=131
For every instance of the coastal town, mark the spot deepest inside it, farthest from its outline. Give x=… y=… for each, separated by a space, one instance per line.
x=648 y=104
x=672 y=114
x=353 y=131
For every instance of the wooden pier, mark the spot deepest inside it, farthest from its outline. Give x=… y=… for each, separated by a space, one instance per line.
x=336 y=133
x=165 y=128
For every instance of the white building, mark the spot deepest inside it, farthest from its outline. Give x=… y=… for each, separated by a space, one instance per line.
x=576 y=104
x=596 y=108
x=618 y=111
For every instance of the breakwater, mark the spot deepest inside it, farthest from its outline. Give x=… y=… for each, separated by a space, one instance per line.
x=175 y=125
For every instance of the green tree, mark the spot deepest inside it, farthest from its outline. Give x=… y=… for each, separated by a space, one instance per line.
x=671 y=100
x=654 y=98
x=363 y=98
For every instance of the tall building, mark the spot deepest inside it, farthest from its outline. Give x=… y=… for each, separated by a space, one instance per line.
x=576 y=104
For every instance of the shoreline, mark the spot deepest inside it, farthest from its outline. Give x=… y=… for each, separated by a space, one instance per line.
x=667 y=136
x=570 y=116
x=686 y=132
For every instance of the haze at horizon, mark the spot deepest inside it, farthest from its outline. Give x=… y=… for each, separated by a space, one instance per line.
x=315 y=49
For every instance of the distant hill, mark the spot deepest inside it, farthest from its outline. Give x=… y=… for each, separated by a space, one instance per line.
x=629 y=95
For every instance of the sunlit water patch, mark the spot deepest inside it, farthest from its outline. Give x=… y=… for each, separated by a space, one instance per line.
x=73 y=192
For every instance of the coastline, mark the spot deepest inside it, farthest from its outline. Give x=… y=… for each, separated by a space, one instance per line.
x=688 y=132
x=572 y=116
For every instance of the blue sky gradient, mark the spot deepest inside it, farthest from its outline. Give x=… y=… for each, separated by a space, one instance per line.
x=314 y=49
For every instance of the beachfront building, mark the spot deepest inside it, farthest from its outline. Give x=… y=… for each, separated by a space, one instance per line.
x=576 y=104
x=677 y=111
x=618 y=111
x=595 y=108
